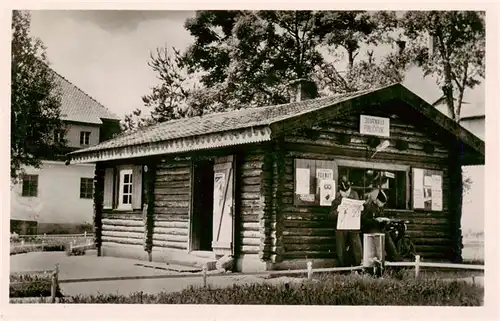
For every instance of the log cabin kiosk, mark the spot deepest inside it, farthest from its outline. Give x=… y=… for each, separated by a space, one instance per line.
x=248 y=182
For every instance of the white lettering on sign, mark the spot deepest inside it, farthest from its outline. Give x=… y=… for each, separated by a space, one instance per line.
x=324 y=173
x=376 y=126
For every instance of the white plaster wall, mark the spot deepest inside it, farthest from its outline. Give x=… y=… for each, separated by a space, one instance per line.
x=473 y=200
x=58 y=199
x=475 y=126
x=73 y=134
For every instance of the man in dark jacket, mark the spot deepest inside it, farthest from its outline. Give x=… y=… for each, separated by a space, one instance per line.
x=344 y=238
x=373 y=208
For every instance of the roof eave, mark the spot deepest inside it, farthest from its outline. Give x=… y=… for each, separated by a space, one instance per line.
x=174 y=146
x=442 y=120
x=69 y=120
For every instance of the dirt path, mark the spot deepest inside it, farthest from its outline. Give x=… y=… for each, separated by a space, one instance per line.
x=74 y=267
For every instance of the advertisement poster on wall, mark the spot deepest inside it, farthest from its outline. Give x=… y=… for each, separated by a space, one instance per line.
x=326 y=192
x=325 y=186
x=427 y=189
x=302 y=181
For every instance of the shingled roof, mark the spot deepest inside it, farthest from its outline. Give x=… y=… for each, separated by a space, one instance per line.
x=250 y=125
x=78 y=106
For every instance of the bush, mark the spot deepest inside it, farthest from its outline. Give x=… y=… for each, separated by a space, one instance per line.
x=54 y=247
x=75 y=251
x=31 y=285
x=331 y=290
x=49 y=247
x=14 y=237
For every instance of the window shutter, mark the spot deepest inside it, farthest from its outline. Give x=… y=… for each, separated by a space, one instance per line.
x=108 y=188
x=223 y=210
x=137 y=187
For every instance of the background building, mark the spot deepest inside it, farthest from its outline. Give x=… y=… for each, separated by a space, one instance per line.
x=473 y=119
x=57 y=198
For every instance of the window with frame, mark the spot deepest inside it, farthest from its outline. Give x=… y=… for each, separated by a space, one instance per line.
x=125 y=189
x=84 y=138
x=86 y=187
x=393 y=182
x=30 y=186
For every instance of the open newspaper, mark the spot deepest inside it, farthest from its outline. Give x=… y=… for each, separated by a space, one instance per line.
x=349 y=214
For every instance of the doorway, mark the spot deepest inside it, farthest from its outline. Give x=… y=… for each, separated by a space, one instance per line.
x=202 y=215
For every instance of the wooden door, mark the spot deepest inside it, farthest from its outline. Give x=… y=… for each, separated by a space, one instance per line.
x=223 y=210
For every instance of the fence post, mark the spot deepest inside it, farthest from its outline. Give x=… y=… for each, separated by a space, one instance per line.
x=53 y=288
x=205 y=268
x=417 y=265
x=309 y=270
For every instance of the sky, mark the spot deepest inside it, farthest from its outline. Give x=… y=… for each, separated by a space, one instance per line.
x=105 y=53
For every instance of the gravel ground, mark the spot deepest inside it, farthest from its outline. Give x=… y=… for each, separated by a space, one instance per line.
x=73 y=267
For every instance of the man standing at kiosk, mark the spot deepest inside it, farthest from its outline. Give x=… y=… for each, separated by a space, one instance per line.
x=345 y=237
x=373 y=208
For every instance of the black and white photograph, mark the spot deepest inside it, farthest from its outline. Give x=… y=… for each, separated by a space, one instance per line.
x=319 y=157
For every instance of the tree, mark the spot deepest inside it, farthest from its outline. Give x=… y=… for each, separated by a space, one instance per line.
x=456 y=53
x=169 y=99
x=350 y=31
x=253 y=55
x=248 y=58
x=35 y=100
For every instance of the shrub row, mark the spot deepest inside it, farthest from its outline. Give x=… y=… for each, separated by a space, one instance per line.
x=329 y=290
x=50 y=247
x=31 y=285
x=20 y=249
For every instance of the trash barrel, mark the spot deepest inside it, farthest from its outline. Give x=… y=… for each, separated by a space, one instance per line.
x=373 y=247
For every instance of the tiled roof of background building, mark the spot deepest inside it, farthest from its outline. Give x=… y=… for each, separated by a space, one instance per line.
x=78 y=106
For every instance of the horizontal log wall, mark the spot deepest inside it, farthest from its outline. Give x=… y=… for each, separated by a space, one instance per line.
x=309 y=230
x=172 y=205
x=253 y=197
x=123 y=228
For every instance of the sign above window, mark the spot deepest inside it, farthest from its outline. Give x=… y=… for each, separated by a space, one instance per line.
x=375 y=126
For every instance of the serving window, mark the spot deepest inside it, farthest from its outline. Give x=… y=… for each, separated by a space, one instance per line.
x=393 y=182
x=316 y=181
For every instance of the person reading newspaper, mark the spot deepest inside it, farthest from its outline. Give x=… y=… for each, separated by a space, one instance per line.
x=346 y=237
